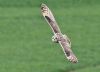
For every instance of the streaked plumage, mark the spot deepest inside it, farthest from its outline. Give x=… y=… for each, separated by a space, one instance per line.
x=58 y=37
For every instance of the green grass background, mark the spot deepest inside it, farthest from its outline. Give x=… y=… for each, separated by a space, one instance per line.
x=25 y=37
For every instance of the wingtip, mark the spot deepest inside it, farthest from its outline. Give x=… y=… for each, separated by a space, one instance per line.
x=72 y=59
x=42 y=4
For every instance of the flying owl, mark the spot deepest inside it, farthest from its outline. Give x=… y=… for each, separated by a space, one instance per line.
x=58 y=37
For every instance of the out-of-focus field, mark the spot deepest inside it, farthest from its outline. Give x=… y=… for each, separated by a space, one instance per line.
x=25 y=37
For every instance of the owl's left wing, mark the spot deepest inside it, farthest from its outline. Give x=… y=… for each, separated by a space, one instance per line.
x=66 y=46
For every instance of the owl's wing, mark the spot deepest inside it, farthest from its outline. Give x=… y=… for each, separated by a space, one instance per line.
x=66 y=46
x=46 y=12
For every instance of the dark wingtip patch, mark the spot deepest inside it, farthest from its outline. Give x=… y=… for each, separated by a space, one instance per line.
x=49 y=20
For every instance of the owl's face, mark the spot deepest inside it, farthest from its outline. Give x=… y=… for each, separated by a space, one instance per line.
x=54 y=39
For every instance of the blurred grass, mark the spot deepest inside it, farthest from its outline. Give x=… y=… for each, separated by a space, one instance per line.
x=25 y=44
x=52 y=3
x=89 y=69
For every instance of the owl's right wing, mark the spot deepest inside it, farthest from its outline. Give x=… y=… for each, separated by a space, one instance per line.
x=46 y=12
